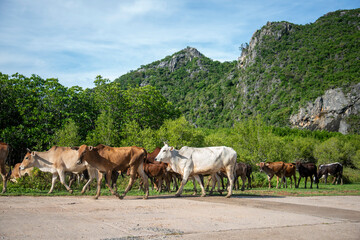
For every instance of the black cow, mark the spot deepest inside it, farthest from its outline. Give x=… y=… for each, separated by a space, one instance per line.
x=244 y=171
x=334 y=169
x=307 y=170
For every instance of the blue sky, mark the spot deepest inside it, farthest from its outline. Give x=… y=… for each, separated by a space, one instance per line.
x=76 y=40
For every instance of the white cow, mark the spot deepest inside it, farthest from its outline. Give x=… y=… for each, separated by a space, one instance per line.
x=57 y=161
x=190 y=161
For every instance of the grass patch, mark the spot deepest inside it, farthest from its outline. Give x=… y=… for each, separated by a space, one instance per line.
x=40 y=185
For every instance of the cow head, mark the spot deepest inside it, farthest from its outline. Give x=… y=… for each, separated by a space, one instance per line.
x=28 y=161
x=262 y=165
x=82 y=151
x=321 y=171
x=164 y=154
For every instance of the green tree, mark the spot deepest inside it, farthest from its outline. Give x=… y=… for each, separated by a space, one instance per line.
x=104 y=132
x=179 y=133
x=67 y=136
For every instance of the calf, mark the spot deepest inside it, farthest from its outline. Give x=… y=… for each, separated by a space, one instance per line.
x=156 y=171
x=334 y=169
x=307 y=170
x=244 y=171
x=272 y=169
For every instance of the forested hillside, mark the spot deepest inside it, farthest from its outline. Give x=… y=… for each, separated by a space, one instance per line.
x=284 y=67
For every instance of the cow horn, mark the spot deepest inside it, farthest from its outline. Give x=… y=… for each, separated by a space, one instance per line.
x=28 y=150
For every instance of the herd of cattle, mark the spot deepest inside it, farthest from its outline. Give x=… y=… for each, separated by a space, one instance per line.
x=164 y=165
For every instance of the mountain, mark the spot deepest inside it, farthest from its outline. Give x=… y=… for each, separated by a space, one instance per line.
x=284 y=73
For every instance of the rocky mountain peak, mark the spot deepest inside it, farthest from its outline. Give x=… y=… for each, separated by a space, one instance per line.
x=273 y=29
x=180 y=58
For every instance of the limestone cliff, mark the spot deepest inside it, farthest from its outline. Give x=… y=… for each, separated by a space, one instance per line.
x=330 y=111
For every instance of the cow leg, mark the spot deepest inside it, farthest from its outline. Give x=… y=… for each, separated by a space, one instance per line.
x=208 y=183
x=168 y=182
x=194 y=184
x=218 y=183
x=183 y=182
x=4 y=178
x=326 y=178
x=197 y=178
x=145 y=179
x=299 y=181
x=92 y=174
x=277 y=181
x=249 y=182
x=295 y=181
x=305 y=181
x=311 y=181
x=236 y=182
x=62 y=180
x=108 y=177
x=269 y=180
x=335 y=178
x=230 y=174
x=101 y=175
x=53 y=179
x=243 y=179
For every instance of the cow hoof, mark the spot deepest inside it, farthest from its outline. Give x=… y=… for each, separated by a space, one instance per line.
x=177 y=195
x=96 y=198
x=228 y=196
x=120 y=197
x=203 y=195
x=70 y=191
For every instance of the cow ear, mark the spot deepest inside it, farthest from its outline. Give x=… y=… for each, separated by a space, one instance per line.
x=75 y=148
x=258 y=164
x=267 y=164
x=33 y=154
x=91 y=148
x=172 y=148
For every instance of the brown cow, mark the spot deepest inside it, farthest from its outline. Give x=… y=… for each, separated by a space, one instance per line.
x=271 y=169
x=107 y=159
x=4 y=151
x=156 y=171
x=290 y=172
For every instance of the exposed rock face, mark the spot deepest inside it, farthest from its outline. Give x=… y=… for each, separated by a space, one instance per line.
x=186 y=55
x=329 y=112
x=274 y=29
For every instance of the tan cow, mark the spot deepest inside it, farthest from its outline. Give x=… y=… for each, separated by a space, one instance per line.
x=4 y=151
x=17 y=173
x=107 y=159
x=271 y=169
x=58 y=161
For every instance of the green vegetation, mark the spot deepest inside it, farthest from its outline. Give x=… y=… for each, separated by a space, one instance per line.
x=289 y=66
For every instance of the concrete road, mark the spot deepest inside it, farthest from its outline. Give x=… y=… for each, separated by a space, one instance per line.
x=167 y=217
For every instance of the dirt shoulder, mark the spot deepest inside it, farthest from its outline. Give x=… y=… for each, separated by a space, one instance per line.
x=167 y=217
